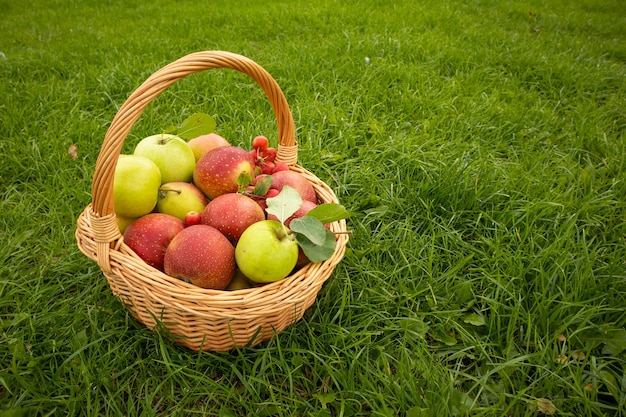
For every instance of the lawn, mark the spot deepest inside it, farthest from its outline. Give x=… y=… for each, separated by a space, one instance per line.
x=479 y=146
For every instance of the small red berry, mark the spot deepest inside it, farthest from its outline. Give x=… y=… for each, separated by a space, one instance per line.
x=269 y=154
x=260 y=142
x=267 y=167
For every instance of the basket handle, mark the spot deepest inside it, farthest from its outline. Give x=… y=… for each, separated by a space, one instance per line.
x=129 y=112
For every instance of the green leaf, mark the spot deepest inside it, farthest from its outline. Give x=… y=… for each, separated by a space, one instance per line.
x=418 y=412
x=170 y=130
x=310 y=227
x=615 y=342
x=325 y=399
x=287 y=202
x=611 y=383
x=243 y=180
x=263 y=185
x=377 y=211
x=474 y=319
x=442 y=336
x=195 y=125
x=317 y=253
x=329 y=212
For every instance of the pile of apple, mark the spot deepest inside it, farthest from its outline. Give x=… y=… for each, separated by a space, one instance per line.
x=219 y=216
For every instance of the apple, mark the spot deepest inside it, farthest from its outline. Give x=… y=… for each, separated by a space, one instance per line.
x=202 y=255
x=192 y=218
x=231 y=214
x=204 y=143
x=266 y=252
x=216 y=173
x=123 y=222
x=179 y=198
x=171 y=154
x=150 y=235
x=136 y=184
x=296 y=181
x=239 y=282
x=303 y=210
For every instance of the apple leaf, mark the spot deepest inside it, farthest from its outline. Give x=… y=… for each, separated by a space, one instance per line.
x=310 y=227
x=329 y=212
x=317 y=253
x=195 y=125
x=170 y=130
x=263 y=185
x=287 y=202
x=243 y=180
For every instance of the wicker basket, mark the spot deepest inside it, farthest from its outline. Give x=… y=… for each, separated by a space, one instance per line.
x=198 y=318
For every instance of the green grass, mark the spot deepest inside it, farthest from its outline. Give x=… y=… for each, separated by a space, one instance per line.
x=481 y=150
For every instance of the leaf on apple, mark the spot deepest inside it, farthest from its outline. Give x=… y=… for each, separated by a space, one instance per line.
x=262 y=186
x=329 y=212
x=195 y=125
x=317 y=253
x=286 y=203
x=310 y=227
x=243 y=179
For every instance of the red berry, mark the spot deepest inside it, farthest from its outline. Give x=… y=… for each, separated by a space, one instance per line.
x=269 y=154
x=272 y=192
x=260 y=142
x=280 y=166
x=267 y=167
x=258 y=177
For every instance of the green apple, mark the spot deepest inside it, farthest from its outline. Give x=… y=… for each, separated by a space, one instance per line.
x=123 y=222
x=179 y=198
x=136 y=184
x=266 y=252
x=171 y=154
x=239 y=282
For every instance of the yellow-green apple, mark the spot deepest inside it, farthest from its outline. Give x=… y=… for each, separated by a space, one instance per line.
x=123 y=222
x=171 y=154
x=201 y=255
x=150 y=235
x=204 y=143
x=217 y=172
x=296 y=181
x=239 y=282
x=136 y=184
x=179 y=198
x=231 y=214
x=266 y=252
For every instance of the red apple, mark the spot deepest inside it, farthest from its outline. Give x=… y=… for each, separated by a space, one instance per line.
x=150 y=235
x=216 y=173
x=202 y=255
x=231 y=214
x=192 y=218
x=296 y=181
x=204 y=143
